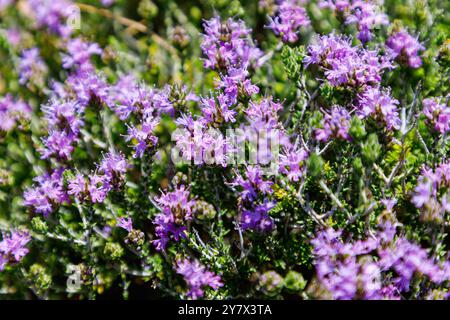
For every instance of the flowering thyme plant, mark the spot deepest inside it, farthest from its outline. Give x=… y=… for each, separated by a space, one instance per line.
x=224 y=149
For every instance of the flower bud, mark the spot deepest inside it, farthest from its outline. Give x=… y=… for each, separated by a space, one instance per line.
x=371 y=149
x=40 y=278
x=271 y=282
x=294 y=281
x=203 y=210
x=39 y=225
x=135 y=238
x=113 y=251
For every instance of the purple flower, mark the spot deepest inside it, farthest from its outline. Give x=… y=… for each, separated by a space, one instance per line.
x=11 y=111
x=13 y=247
x=164 y=100
x=380 y=105
x=423 y=193
x=47 y=192
x=197 y=278
x=134 y=98
x=126 y=94
x=53 y=15
x=347 y=270
x=125 y=223
x=345 y=65
x=64 y=115
x=408 y=259
x=109 y=175
x=390 y=292
x=253 y=183
x=64 y=119
x=335 y=125
x=98 y=188
x=431 y=195
x=227 y=45
x=79 y=54
x=176 y=211
x=58 y=144
x=291 y=162
x=113 y=166
x=389 y=204
x=264 y=114
x=198 y=143
x=217 y=110
x=142 y=136
x=366 y=14
x=228 y=49
x=32 y=67
x=131 y=97
x=257 y=218
x=254 y=215
x=338 y=269
x=235 y=84
x=437 y=114
x=146 y=104
x=77 y=186
x=289 y=19
x=405 y=49
x=89 y=87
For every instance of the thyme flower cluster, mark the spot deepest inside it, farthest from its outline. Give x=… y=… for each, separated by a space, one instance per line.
x=208 y=150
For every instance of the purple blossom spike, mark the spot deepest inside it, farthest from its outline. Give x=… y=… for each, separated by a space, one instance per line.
x=197 y=278
x=348 y=270
x=143 y=137
x=292 y=161
x=171 y=222
x=113 y=165
x=405 y=48
x=345 y=65
x=216 y=110
x=89 y=87
x=125 y=223
x=253 y=183
x=335 y=125
x=64 y=115
x=432 y=195
x=365 y=14
x=53 y=15
x=58 y=144
x=235 y=84
x=98 y=188
x=290 y=18
x=13 y=247
x=408 y=259
x=437 y=114
x=257 y=218
x=226 y=45
x=79 y=54
x=32 y=67
x=12 y=111
x=77 y=186
x=47 y=192
x=379 y=104
x=198 y=143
